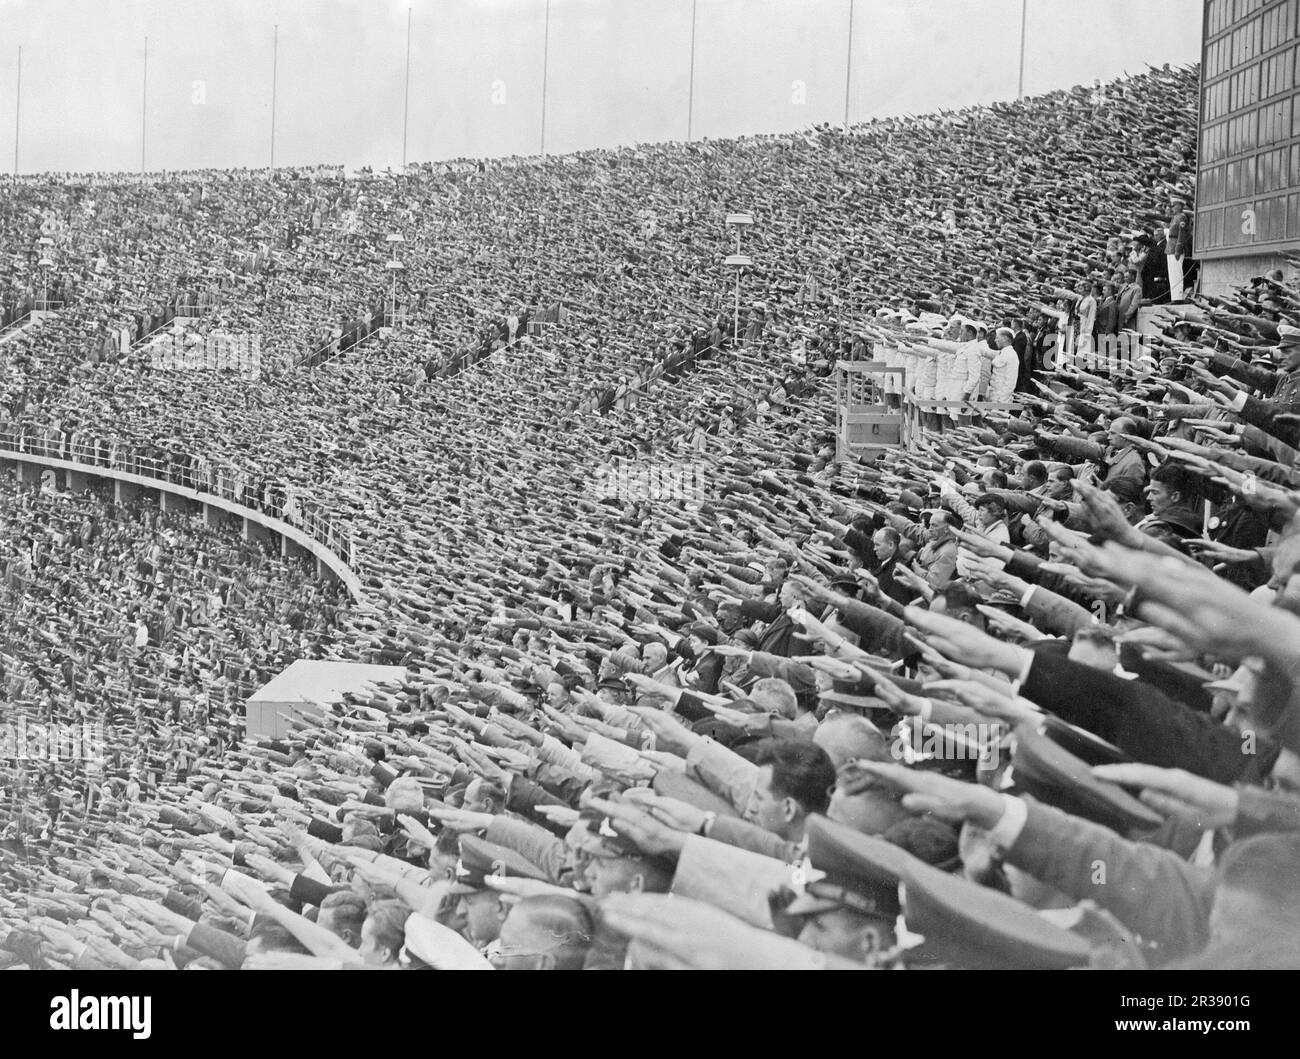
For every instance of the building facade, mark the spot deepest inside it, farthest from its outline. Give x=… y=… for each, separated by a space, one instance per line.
x=1248 y=163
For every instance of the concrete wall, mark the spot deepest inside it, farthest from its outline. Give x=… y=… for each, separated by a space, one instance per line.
x=1219 y=276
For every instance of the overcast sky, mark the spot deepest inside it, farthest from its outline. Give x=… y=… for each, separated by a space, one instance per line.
x=618 y=71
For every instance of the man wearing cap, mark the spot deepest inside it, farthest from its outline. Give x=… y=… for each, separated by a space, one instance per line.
x=847 y=916
x=616 y=864
x=1263 y=414
x=481 y=907
x=1252 y=897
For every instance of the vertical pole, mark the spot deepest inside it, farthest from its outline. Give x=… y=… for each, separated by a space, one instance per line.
x=546 y=47
x=144 y=99
x=735 y=326
x=275 y=65
x=406 y=104
x=18 y=106
x=848 y=69
x=1024 y=17
x=690 y=92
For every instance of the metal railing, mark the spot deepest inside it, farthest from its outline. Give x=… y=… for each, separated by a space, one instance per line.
x=36 y=305
x=201 y=475
x=16 y=324
x=356 y=334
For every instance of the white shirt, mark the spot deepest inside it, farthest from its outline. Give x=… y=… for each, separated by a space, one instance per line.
x=1006 y=372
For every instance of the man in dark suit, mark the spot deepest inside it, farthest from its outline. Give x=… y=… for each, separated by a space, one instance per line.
x=1130 y=299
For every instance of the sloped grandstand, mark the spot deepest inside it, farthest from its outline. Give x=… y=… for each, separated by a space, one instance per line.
x=454 y=454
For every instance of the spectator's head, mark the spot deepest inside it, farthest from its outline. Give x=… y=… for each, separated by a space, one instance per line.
x=1170 y=487
x=268 y=935
x=654 y=655
x=775 y=572
x=482 y=912
x=1289 y=347
x=884 y=542
x=548 y=933
x=357 y=829
x=957 y=600
x=794 y=780
x=404 y=795
x=484 y=796
x=1116 y=433
x=941 y=526
x=775 y=696
x=1257 y=896
x=791 y=593
x=849 y=736
x=615 y=865
x=1035 y=475
x=343 y=913
x=444 y=855
x=1128 y=494
x=991 y=510
x=383 y=933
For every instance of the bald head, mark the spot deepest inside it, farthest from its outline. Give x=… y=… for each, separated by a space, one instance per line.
x=847 y=736
x=775 y=696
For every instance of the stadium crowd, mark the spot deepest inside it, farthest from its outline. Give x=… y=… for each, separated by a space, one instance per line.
x=681 y=690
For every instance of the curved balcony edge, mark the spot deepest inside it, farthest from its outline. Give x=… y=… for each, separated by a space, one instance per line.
x=279 y=527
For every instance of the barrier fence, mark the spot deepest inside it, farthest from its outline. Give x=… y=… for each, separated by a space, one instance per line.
x=357 y=331
x=198 y=474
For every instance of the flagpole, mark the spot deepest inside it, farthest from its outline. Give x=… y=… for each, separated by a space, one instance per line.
x=275 y=71
x=1024 y=18
x=546 y=47
x=690 y=94
x=18 y=106
x=144 y=101
x=848 y=69
x=406 y=103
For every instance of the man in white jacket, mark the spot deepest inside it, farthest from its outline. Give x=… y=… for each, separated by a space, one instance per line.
x=1006 y=367
x=964 y=376
x=1087 y=310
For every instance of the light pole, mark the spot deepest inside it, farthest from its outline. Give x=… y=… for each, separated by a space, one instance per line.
x=738 y=261
x=394 y=267
x=45 y=264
